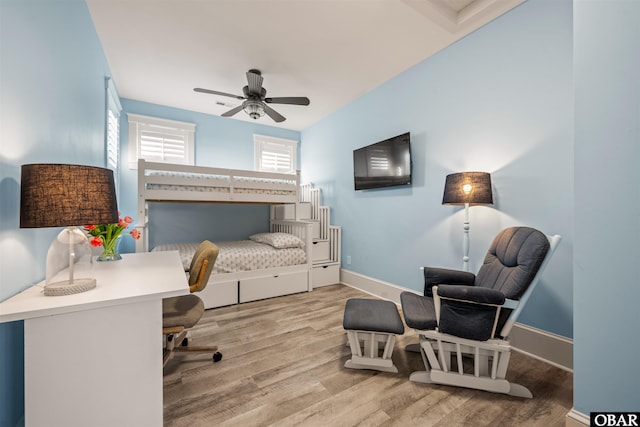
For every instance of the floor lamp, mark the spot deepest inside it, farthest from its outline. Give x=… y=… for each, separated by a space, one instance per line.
x=467 y=189
x=55 y=195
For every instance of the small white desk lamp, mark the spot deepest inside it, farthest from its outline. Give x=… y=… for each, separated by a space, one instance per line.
x=467 y=189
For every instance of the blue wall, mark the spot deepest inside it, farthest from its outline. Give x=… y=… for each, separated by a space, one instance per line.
x=607 y=206
x=52 y=108
x=499 y=100
x=219 y=142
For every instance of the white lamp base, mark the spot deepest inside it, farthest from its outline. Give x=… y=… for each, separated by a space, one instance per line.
x=66 y=288
x=69 y=264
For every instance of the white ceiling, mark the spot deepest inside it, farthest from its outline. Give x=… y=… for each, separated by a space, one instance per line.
x=331 y=51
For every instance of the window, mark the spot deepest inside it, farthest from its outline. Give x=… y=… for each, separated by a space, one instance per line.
x=112 y=131
x=275 y=154
x=160 y=140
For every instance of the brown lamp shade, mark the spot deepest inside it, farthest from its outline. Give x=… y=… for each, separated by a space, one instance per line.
x=55 y=195
x=468 y=187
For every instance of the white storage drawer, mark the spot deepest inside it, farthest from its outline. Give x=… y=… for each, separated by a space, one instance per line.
x=288 y=211
x=271 y=286
x=219 y=294
x=320 y=250
x=324 y=275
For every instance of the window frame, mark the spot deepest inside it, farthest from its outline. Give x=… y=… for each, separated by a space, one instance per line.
x=139 y=123
x=260 y=142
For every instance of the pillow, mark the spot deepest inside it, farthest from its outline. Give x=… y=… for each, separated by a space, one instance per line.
x=278 y=240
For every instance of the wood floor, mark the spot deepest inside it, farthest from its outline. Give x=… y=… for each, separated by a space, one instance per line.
x=283 y=366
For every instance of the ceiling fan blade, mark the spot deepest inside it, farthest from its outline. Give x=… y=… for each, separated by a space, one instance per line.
x=215 y=92
x=255 y=81
x=232 y=111
x=294 y=100
x=277 y=117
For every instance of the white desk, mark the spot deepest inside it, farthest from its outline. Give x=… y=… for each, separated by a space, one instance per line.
x=95 y=358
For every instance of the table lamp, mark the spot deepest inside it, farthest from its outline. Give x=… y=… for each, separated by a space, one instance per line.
x=467 y=189
x=58 y=195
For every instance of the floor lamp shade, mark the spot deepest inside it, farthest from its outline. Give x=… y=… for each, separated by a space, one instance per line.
x=467 y=189
x=473 y=188
x=58 y=195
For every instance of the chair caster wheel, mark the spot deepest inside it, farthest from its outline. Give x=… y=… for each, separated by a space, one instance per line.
x=185 y=342
x=217 y=356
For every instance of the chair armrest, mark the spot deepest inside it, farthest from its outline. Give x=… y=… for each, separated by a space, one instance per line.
x=472 y=294
x=438 y=276
x=511 y=304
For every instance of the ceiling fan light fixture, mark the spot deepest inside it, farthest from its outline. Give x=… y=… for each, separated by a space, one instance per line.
x=255 y=103
x=253 y=108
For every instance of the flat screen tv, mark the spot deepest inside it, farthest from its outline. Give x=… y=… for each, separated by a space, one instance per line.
x=383 y=164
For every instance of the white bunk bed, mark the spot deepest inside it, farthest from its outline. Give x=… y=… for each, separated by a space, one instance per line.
x=166 y=182
x=162 y=182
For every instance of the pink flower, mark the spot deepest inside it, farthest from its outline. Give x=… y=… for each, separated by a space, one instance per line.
x=106 y=234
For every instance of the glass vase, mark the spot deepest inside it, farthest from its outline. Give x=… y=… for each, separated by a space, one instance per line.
x=110 y=250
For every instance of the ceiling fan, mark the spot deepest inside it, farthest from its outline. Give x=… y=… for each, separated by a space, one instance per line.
x=255 y=100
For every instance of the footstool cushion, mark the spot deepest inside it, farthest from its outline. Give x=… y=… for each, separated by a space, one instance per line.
x=372 y=315
x=371 y=327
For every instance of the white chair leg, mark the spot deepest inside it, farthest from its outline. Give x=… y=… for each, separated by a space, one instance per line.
x=365 y=351
x=518 y=390
x=490 y=362
x=420 y=377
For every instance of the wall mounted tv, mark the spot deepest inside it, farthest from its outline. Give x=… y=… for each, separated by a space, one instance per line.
x=383 y=164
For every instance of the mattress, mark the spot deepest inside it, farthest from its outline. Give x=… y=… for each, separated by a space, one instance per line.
x=242 y=255
x=219 y=184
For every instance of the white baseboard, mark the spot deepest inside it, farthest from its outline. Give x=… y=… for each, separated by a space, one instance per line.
x=542 y=345
x=576 y=419
x=375 y=287
x=546 y=346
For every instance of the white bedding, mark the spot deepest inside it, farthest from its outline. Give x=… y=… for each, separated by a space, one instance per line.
x=243 y=255
x=209 y=184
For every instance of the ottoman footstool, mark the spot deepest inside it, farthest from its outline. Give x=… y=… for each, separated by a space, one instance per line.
x=372 y=326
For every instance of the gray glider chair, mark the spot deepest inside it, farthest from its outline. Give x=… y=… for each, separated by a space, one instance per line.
x=463 y=320
x=181 y=313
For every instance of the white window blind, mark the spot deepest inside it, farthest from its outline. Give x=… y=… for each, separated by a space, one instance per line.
x=112 y=132
x=160 y=140
x=275 y=154
x=113 y=129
